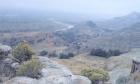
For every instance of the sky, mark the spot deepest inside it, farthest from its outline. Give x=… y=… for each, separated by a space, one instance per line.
x=88 y=7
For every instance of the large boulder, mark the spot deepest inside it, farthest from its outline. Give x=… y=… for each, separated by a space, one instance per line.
x=53 y=73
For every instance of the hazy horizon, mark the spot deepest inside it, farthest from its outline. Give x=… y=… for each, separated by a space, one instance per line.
x=93 y=8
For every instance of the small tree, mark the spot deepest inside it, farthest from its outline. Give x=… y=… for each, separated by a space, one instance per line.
x=31 y=68
x=22 y=52
x=96 y=75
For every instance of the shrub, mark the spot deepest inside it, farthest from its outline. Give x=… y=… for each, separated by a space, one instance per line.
x=66 y=55
x=43 y=53
x=98 y=52
x=63 y=56
x=22 y=52
x=96 y=75
x=70 y=54
x=114 y=52
x=30 y=68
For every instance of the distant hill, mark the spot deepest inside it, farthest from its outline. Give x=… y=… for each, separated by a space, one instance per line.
x=124 y=39
x=131 y=35
x=121 y=22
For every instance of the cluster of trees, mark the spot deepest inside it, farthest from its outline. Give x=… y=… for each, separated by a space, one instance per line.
x=66 y=55
x=104 y=53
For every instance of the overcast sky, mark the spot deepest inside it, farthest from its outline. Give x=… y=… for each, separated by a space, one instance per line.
x=88 y=7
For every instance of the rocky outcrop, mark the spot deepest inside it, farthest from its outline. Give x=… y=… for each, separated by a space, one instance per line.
x=135 y=65
x=4 y=51
x=7 y=65
x=134 y=76
x=5 y=48
x=6 y=70
x=53 y=73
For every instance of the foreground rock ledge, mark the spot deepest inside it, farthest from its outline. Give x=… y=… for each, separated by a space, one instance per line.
x=53 y=73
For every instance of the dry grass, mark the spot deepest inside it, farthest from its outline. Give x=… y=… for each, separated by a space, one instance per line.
x=81 y=62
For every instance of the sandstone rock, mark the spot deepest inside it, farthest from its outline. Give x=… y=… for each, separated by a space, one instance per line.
x=53 y=73
x=4 y=51
x=135 y=65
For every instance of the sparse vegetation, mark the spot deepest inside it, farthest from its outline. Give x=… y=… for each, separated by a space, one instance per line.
x=96 y=75
x=22 y=52
x=30 y=68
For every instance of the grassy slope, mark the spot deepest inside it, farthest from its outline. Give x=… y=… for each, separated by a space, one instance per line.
x=82 y=61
